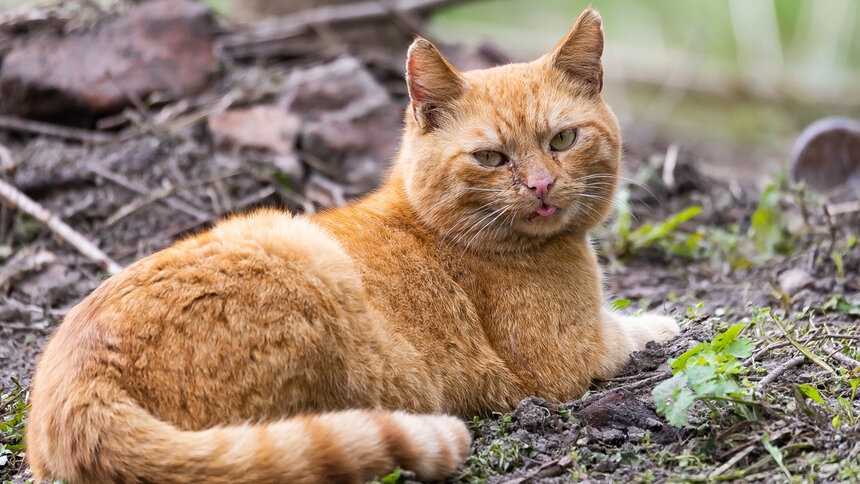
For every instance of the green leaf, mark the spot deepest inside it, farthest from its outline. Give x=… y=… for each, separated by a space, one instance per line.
x=740 y=348
x=700 y=373
x=393 y=478
x=812 y=392
x=718 y=388
x=673 y=399
x=665 y=390
x=775 y=453
x=619 y=304
x=680 y=362
x=648 y=233
x=676 y=413
x=726 y=338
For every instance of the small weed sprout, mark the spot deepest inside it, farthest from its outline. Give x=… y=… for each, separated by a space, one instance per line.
x=707 y=372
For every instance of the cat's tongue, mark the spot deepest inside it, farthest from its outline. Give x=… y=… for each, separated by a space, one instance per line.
x=545 y=210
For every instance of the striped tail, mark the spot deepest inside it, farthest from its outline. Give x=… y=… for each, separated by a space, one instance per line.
x=121 y=442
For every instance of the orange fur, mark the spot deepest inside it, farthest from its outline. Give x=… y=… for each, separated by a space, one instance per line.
x=237 y=355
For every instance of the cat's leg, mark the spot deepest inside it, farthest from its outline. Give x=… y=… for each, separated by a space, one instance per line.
x=622 y=335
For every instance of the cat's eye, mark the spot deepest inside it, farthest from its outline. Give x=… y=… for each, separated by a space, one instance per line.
x=490 y=158
x=563 y=140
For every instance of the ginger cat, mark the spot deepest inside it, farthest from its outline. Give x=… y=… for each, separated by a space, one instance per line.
x=280 y=348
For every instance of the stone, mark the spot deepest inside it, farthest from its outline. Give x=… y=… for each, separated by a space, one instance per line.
x=827 y=154
x=350 y=124
x=620 y=411
x=793 y=280
x=162 y=47
x=263 y=127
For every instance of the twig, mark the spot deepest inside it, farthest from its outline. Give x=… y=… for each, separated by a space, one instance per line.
x=18 y=326
x=776 y=346
x=831 y=229
x=242 y=203
x=773 y=375
x=548 y=469
x=13 y=123
x=406 y=21
x=268 y=37
x=15 y=199
x=669 y=166
x=141 y=189
x=844 y=207
x=639 y=384
x=13 y=397
x=800 y=195
x=731 y=462
x=818 y=361
x=7 y=164
x=628 y=378
x=840 y=357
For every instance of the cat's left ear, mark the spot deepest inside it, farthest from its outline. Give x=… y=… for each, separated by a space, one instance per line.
x=433 y=83
x=578 y=55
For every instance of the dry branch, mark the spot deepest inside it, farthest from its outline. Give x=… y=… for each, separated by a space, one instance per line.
x=141 y=189
x=840 y=357
x=269 y=36
x=773 y=375
x=548 y=469
x=13 y=123
x=15 y=199
x=641 y=383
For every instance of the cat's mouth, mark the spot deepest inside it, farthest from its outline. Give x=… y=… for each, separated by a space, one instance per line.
x=544 y=210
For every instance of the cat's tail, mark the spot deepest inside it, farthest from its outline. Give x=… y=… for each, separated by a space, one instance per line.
x=108 y=437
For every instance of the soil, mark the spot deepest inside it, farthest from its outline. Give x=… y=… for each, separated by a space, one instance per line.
x=162 y=176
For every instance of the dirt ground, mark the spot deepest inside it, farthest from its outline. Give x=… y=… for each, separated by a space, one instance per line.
x=167 y=170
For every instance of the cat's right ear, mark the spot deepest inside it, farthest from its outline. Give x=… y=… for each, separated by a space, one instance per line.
x=578 y=54
x=432 y=82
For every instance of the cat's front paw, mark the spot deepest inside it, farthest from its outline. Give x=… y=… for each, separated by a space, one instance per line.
x=660 y=328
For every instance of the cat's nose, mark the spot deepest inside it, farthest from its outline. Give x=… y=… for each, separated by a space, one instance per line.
x=541 y=186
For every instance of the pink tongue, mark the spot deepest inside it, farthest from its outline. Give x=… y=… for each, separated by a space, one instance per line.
x=545 y=210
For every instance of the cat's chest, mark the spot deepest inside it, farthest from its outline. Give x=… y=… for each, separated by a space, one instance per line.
x=548 y=289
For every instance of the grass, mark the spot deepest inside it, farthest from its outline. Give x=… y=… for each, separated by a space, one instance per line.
x=13 y=420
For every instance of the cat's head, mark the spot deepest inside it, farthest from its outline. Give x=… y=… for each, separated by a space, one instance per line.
x=505 y=158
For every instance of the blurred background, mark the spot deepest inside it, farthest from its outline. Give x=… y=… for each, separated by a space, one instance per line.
x=735 y=81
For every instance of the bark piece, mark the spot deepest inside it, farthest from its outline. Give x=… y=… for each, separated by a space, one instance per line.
x=163 y=47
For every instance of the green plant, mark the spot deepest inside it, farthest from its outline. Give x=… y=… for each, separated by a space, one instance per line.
x=843 y=410
x=650 y=233
x=767 y=227
x=707 y=372
x=13 y=420
x=496 y=457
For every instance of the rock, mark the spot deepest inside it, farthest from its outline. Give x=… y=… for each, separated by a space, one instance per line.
x=793 y=280
x=267 y=128
x=620 y=412
x=350 y=122
x=827 y=154
x=162 y=47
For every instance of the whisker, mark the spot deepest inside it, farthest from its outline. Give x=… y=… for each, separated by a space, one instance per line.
x=464 y=219
x=593 y=196
x=471 y=227
x=617 y=177
x=484 y=189
x=483 y=228
x=580 y=203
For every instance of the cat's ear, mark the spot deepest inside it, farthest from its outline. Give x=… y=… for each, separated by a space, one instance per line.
x=578 y=55
x=433 y=83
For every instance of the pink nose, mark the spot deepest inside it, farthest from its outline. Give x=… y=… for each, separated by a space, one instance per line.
x=541 y=187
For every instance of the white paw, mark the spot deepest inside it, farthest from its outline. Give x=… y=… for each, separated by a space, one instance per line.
x=660 y=328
